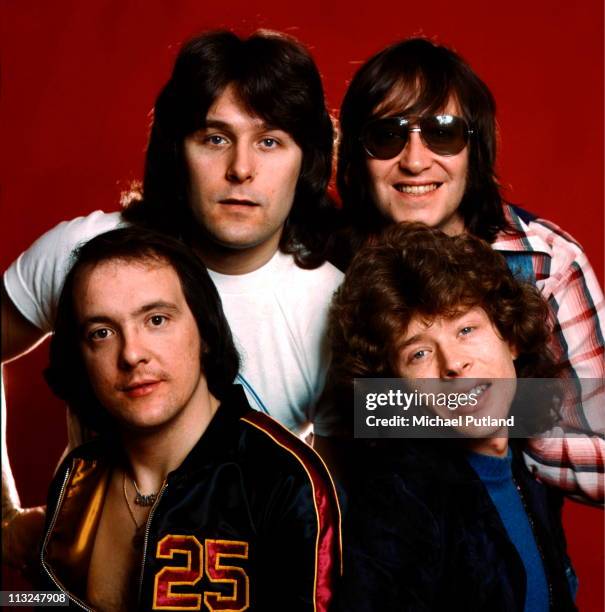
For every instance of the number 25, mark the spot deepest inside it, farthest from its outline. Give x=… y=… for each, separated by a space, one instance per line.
x=164 y=598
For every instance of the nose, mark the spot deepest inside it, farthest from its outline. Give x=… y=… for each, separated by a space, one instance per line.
x=132 y=350
x=416 y=156
x=454 y=362
x=241 y=167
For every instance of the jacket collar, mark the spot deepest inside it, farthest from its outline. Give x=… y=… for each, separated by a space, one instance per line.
x=220 y=438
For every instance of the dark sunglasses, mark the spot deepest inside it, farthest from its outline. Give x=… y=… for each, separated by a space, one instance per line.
x=442 y=134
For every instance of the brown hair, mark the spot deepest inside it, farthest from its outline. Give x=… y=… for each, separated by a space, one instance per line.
x=276 y=78
x=415 y=270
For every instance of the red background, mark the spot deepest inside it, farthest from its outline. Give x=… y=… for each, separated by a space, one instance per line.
x=80 y=79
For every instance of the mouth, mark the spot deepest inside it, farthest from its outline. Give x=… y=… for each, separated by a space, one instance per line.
x=141 y=388
x=238 y=202
x=477 y=392
x=416 y=190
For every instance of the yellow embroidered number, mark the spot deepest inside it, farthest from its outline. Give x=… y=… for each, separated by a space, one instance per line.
x=217 y=571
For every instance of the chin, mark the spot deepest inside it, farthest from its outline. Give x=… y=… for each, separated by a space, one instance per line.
x=412 y=214
x=239 y=240
x=146 y=419
x=144 y=426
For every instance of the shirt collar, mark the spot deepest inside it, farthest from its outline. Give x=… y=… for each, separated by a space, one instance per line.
x=523 y=239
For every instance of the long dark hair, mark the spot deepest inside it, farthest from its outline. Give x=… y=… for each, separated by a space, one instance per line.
x=277 y=79
x=433 y=74
x=66 y=373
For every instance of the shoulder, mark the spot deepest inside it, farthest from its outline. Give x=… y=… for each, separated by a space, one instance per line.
x=281 y=453
x=325 y=277
x=557 y=254
x=406 y=475
x=34 y=280
x=67 y=235
x=292 y=480
x=532 y=233
x=52 y=251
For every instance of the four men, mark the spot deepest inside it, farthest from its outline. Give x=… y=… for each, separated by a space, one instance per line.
x=237 y=167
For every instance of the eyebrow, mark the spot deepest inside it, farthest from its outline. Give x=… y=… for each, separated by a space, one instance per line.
x=224 y=125
x=409 y=341
x=157 y=305
x=216 y=123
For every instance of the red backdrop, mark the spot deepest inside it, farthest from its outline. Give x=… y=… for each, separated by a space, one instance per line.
x=80 y=79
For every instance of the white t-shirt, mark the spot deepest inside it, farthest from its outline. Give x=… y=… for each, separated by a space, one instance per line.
x=277 y=314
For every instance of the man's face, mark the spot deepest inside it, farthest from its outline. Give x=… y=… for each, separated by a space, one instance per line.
x=243 y=175
x=140 y=342
x=419 y=185
x=468 y=355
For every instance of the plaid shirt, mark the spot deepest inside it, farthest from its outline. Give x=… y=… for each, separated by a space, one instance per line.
x=543 y=253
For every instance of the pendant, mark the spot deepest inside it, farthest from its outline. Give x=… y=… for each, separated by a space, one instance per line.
x=145 y=500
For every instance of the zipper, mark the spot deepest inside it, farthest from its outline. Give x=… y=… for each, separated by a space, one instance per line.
x=536 y=539
x=146 y=538
x=50 y=529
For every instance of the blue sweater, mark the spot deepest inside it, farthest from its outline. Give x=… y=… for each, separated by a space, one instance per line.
x=496 y=474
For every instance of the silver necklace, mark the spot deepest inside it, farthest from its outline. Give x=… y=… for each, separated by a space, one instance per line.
x=143 y=500
x=137 y=539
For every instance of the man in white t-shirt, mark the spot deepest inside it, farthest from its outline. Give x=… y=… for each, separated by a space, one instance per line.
x=237 y=166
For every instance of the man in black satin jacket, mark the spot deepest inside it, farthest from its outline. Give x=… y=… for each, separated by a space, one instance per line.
x=187 y=498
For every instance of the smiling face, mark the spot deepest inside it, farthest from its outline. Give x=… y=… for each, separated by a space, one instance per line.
x=243 y=175
x=140 y=344
x=419 y=185
x=467 y=354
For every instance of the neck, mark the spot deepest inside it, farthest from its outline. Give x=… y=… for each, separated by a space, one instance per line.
x=152 y=454
x=453 y=226
x=495 y=447
x=229 y=260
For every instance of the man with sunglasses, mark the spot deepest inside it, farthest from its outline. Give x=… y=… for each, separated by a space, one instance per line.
x=418 y=143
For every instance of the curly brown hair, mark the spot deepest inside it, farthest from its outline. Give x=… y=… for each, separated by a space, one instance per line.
x=413 y=270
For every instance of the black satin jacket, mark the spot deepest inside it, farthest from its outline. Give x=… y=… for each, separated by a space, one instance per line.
x=249 y=521
x=422 y=534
